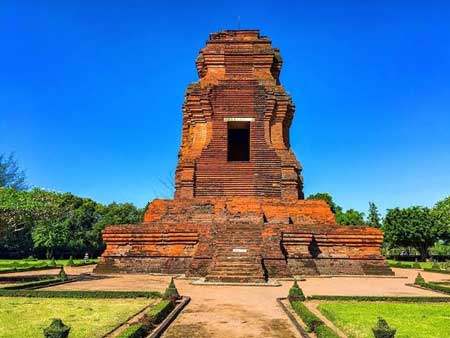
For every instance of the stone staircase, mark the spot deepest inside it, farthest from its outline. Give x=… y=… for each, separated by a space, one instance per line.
x=237 y=257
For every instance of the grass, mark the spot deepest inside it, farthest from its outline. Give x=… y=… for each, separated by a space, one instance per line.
x=27 y=317
x=356 y=319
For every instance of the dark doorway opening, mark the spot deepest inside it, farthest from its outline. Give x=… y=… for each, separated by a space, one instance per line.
x=238 y=141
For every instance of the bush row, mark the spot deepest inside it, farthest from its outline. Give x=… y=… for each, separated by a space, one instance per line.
x=437 y=270
x=39 y=267
x=313 y=323
x=157 y=313
x=382 y=299
x=79 y=294
x=152 y=318
x=133 y=331
x=30 y=268
x=27 y=285
x=435 y=287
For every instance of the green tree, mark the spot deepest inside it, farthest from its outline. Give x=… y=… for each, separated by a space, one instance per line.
x=20 y=211
x=350 y=217
x=414 y=227
x=441 y=213
x=11 y=176
x=112 y=214
x=373 y=218
x=324 y=196
x=50 y=235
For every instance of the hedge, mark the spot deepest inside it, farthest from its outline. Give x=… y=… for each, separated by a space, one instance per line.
x=79 y=294
x=324 y=331
x=31 y=268
x=309 y=318
x=133 y=331
x=435 y=287
x=41 y=282
x=314 y=323
x=151 y=318
x=382 y=299
x=159 y=312
x=41 y=267
x=438 y=271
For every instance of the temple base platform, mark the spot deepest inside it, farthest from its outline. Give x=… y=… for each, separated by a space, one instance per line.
x=242 y=240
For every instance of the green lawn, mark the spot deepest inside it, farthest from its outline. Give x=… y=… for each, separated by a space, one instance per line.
x=27 y=317
x=356 y=319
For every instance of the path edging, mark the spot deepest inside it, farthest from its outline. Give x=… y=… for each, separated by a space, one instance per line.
x=294 y=321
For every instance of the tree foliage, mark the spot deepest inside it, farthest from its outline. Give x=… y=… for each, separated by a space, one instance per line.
x=350 y=217
x=44 y=223
x=441 y=213
x=373 y=218
x=415 y=227
x=11 y=176
x=324 y=196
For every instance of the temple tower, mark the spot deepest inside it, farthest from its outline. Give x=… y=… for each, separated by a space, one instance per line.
x=236 y=122
x=238 y=214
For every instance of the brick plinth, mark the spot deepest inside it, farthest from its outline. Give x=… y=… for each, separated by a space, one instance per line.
x=242 y=239
x=240 y=219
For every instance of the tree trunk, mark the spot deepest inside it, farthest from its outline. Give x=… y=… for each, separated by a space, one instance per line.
x=423 y=253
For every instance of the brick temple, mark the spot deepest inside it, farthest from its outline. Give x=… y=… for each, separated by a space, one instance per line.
x=239 y=213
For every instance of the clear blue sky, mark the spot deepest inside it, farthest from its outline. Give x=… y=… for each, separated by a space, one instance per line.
x=91 y=92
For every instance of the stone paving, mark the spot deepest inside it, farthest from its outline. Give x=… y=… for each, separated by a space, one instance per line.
x=243 y=311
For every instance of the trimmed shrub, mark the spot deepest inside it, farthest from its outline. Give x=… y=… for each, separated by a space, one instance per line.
x=324 y=331
x=62 y=274
x=295 y=293
x=159 y=312
x=70 y=261
x=419 y=280
x=171 y=291
x=57 y=329
x=382 y=329
x=133 y=331
x=309 y=318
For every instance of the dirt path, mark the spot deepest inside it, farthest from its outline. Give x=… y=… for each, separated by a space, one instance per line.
x=232 y=311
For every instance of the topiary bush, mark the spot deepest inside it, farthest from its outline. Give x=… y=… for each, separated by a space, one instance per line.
x=295 y=293
x=382 y=329
x=171 y=292
x=70 y=261
x=62 y=274
x=57 y=329
x=419 y=280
